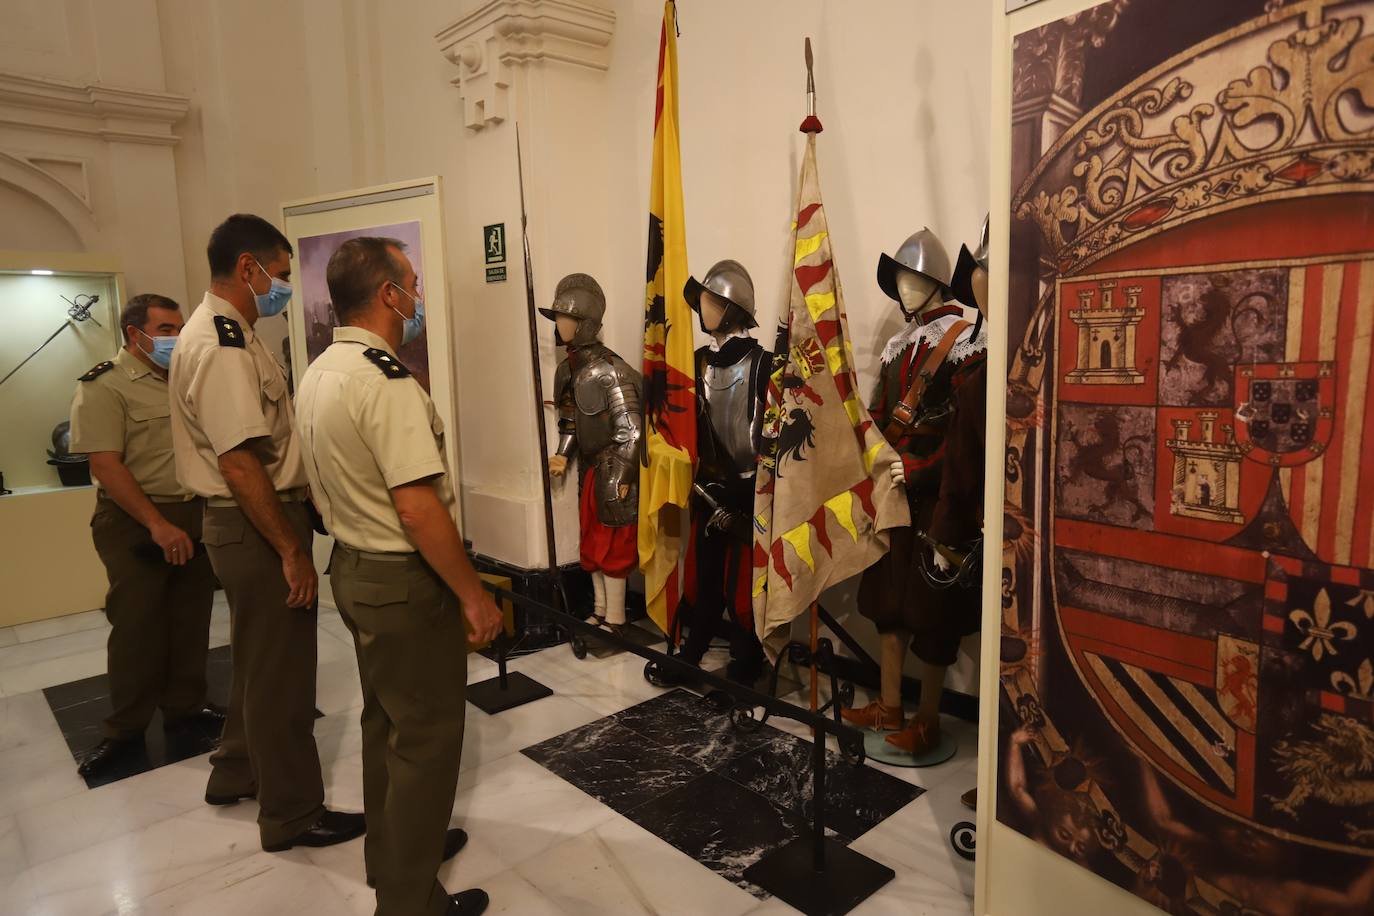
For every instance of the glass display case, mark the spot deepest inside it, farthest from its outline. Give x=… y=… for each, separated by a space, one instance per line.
x=58 y=324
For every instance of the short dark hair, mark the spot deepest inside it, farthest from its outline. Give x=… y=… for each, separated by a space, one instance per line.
x=239 y=233
x=135 y=311
x=357 y=268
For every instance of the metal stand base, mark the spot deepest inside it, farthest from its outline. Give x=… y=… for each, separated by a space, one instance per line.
x=848 y=880
x=491 y=696
x=877 y=748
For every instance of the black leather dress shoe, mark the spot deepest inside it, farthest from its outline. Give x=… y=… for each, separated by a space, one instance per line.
x=208 y=720
x=106 y=754
x=469 y=903
x=332 y=828
x=454 y=841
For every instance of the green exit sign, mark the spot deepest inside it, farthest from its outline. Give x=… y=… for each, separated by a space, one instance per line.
x=494 y=243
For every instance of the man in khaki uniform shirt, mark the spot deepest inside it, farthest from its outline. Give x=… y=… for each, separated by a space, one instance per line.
x=374 y=452
x=146 y=530
x=235 y=446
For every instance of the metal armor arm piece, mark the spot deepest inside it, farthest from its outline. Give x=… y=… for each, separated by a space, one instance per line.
x=620 y=462
x=567 y=411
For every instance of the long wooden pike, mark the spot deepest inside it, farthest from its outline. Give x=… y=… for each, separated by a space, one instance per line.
x=812 y=124
x=540 y=422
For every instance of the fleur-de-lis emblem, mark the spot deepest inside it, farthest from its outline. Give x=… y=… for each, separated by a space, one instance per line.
x=1364 y=598
x=1319 y=633
x=1362 y=685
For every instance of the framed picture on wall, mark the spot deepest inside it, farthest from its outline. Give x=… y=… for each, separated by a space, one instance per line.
x=410 y=212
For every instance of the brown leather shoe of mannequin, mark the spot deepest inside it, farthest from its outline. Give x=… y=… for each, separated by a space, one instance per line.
x=916 y=739
x=874 y=716
x=970 y=799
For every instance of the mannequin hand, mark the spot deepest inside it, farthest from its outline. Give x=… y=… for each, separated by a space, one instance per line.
x=898 y=472
x=941 y=563
x=558 y=465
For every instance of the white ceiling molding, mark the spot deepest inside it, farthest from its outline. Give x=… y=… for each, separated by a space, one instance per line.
x=499 y=35
x=108 y=112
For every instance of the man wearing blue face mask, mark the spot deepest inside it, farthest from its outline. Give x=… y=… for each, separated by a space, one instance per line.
x=146 y=529
x=232 y=429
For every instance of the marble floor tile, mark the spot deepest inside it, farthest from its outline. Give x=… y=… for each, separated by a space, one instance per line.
x=613 y=687
x=66 y=825
x=488 y=738
x=917 y=839
x=512 y=895
x=37 y=773
x=38 y=675
x=858 y=798
x=13 y=858
x=8 y=637
x=60 y=626
x=620 y=868
x=690 y=726
x=515 y=810
x=688 y=819
x=337 y=688
x=26 y=719
x=54 y=647
x=613 y=764
x=263 y=883
x=114 y=876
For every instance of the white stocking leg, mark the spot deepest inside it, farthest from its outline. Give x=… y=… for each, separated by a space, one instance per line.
x=615 y=600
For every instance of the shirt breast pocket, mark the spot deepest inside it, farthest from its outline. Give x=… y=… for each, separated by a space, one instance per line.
x=274 y=386
x=150 y=412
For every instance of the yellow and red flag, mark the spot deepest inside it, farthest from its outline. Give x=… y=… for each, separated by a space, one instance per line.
x=665 y=483
x=825 y=497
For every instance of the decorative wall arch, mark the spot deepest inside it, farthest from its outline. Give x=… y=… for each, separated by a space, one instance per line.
x=62 y=200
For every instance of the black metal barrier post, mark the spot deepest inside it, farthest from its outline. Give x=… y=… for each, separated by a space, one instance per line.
x=505 y=691
x=815 y=874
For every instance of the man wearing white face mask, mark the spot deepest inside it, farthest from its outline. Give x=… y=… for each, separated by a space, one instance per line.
x=146 y=529
x=232 y=428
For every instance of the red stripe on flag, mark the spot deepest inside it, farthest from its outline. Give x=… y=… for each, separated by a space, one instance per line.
x=1332 y=702
x=1331 y=477
x=1189 y=652
x=809 y=275
x=662 y=51
x=1187 y=554
x=804 y=217
x=1364 y=504
x=780 y=564
x=1273 y=624
x=864 y=490
x=1312 y=313
x=818 y=522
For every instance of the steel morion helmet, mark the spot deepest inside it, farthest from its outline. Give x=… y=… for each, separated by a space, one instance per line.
x=729 y=280
x=922 y=253
x=579 y=296
x=961 y=284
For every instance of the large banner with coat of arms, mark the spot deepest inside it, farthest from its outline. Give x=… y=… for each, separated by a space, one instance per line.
x=1187 y=643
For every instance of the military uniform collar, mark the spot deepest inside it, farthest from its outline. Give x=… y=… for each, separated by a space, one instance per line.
x=132 y=366
x=351 y=334
x=224 y=307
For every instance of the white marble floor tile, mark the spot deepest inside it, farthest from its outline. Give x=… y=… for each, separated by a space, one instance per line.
x=613 y=687
x=515 y=810
x=60 y=626
x=13 y=859
x=619 y=867
x=52 y=647
x=116 y=875
x=490 y=738
x=7 y=637
x=50 y=673
x=337 y=688
x=69 y=824
x=26 y=719
x=512 y=895
x=917 y=838
x=37 y=773
x=259 y=884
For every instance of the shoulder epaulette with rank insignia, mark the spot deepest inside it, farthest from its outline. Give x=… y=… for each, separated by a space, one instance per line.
x=230 y=334
x=96 y=371
x=391 y=366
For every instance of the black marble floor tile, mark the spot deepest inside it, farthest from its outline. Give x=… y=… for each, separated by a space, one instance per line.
x=858 y=798
x=614 y=765
x=682 y=723
x=81 y=706
x=721 y=824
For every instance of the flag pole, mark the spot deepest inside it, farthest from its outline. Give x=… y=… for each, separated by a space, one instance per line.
x=812 y=126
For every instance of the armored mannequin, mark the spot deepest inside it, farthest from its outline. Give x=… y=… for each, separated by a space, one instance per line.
x=732 y=381
x=600 y=421
x=923 y=367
